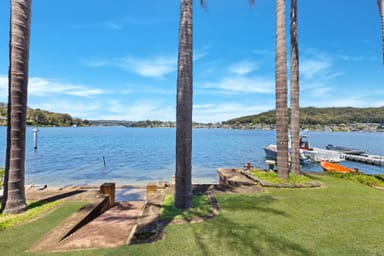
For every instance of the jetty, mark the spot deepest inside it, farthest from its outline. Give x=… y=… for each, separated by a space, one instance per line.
x=366 y=159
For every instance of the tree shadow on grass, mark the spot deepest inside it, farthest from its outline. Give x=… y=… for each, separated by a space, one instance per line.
x=248 y=236
x=54 y=198
x=152 y=224
x=231 y=236
x=150 y=227
x=253 y=203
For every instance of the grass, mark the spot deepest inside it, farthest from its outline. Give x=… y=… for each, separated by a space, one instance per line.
x=369 y=180
x=343 y=218
x=201 y=207
x=16 y=240
x=272 y=177
x=34 y=210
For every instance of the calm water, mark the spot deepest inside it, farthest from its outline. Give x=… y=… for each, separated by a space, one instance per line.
x=75 y=156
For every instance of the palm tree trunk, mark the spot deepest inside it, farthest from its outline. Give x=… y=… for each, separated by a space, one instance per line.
x=183 y=186
x=380 y=4
x=14 y=179
x=281 y=91
x=295 y=92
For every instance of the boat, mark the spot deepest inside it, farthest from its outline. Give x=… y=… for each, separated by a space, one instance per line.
x=332 y=167
x=346 y=150
x=271 y=153
x=307 y=153
x=319 y=154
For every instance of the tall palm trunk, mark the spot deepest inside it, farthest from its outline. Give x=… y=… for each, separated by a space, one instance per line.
x=183 y=186
x=14 y=193
x=380 y=4
x=281 y=91
x=295 y=92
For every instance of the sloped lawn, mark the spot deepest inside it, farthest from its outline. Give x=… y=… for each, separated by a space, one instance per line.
x=342 y=218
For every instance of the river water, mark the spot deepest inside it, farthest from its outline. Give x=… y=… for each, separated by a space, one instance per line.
x=93 y=155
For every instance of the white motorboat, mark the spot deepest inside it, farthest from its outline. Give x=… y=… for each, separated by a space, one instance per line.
x=307 y=152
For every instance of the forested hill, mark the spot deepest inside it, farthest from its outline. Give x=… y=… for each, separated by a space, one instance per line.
x=322 y=116
x=39 y=117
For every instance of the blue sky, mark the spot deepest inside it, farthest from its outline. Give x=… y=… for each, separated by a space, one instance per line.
x=117 y=59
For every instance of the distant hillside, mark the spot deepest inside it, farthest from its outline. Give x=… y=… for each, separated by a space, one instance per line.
x=322 y=116
x=39 y=117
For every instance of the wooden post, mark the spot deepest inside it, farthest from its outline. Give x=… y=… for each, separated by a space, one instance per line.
x=151 y=189
x=109 y=190
x=35 y=131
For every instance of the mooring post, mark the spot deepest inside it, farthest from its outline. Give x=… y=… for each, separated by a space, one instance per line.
x=35 y=131
x=108 y=189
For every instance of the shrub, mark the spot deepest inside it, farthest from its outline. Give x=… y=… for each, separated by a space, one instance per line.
x=369 y=180
x=272 y=177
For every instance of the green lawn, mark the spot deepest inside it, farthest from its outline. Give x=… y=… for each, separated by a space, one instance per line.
x=344 y=218
x=34 y=210
x=201 y=207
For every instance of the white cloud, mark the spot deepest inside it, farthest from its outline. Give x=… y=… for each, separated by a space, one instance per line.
x=325 y=96
x=309 y=68
x=263 y=52
x=353 y=58
x=242 y=68
x=79 y=109
x=198 y=55
x=96 y=63
x=46 y=87
x=112 y=25
x=43 y=87
x=201 y=53
x=225 y=111
x=319 y=66
x=144 y=88
x=101 y=25
x=140 y=110
x=3 y=88
x=156 y=67
x=316 y=90
x=238 y=84
x=331 y=101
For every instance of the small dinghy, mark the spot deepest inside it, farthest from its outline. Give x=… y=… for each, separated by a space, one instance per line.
x=332 y=167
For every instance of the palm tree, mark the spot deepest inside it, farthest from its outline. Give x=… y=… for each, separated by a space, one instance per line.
x=183 y=186
x=14 y=179
x=381 y=11
x=295 y=92
x=281 y=91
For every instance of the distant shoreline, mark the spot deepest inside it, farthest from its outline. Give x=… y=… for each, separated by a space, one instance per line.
x=358 y=127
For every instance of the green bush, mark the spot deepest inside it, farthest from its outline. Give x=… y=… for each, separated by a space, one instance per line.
x=272 y=177
x=369 y=180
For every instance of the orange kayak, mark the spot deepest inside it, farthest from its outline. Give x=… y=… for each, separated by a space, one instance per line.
x=331 y=167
